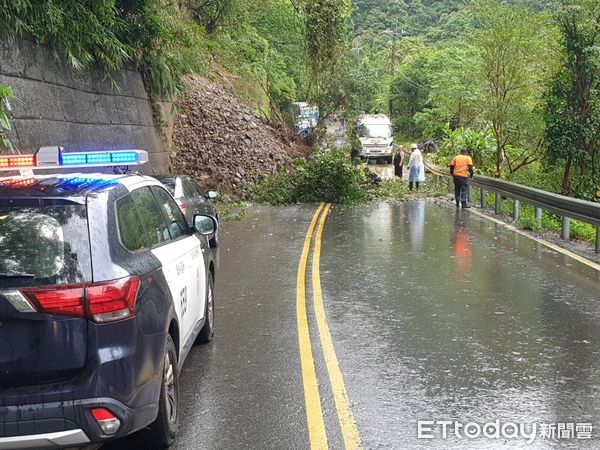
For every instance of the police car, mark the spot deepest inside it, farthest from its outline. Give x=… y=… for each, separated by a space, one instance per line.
x=104 y=288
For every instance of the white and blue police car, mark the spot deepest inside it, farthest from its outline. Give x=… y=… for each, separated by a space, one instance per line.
x=104 y=288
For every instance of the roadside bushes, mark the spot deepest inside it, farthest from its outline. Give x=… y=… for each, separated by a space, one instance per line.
x=155 y=36
x=329 y=176
x=480 y=144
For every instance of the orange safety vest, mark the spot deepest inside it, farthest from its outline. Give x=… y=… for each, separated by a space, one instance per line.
x=461 y=165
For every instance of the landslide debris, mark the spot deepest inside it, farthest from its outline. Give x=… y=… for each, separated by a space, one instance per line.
x=223 y=144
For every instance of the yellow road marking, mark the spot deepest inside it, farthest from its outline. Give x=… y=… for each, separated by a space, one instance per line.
x=314 y=414
x=340 y=396
x=555 y=247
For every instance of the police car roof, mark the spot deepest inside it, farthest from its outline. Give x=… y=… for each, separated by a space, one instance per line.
x=72 y=186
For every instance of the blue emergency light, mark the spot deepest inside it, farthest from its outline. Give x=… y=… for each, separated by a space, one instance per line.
x=56 y=158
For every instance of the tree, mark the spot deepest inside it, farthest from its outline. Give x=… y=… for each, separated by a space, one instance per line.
x=326 y=39
x=573 y=100
x=409 y=91
x=512 y=41
x=455 y=92
x=211 y=14
x=283 y=28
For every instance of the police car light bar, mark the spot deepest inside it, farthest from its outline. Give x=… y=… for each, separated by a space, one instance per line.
x=56 y=158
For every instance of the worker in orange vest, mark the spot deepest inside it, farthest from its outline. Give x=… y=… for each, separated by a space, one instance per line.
x=461 y=169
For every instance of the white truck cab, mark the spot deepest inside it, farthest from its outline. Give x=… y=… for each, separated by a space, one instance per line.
x=375 y=135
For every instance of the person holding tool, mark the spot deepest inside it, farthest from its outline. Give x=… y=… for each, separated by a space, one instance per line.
x=461 y=169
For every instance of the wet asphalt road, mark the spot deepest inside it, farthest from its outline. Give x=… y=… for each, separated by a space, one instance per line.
x=435 y=314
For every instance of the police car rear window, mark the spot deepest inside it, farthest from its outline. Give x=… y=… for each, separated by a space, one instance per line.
x=44 y=245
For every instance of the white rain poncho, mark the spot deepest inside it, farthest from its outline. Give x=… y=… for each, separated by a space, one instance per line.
x=416 y=167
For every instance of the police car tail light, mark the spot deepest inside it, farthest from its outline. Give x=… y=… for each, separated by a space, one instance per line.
x=109 y=423
x=65 y=300
x=102 y=302
x=113 y=300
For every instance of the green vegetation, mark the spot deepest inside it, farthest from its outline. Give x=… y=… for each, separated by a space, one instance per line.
x=329 y=176
x=273 y=52
x=153 y=35
x=573 y=100
x=230 y=208
x=515 y=81
x=5 y=96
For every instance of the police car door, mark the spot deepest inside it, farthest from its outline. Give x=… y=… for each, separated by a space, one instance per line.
x=178 y=251
x=184 y=258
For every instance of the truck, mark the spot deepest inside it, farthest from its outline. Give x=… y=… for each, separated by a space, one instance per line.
x=306 y=118
x=375 y=135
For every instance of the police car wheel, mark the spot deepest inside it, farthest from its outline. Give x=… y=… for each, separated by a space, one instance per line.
x=208 y=330
x=164 y=428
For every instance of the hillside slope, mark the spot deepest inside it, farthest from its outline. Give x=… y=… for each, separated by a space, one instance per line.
x=222 y=143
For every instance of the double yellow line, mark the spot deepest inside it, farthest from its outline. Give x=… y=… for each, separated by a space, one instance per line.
x=314 y=413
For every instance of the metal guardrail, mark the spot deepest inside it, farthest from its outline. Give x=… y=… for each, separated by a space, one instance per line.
x=566 y=207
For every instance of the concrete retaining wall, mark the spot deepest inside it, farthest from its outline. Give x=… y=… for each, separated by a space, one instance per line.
x=55 y=106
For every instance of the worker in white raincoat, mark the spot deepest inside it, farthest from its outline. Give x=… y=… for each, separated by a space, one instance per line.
x=416 y=168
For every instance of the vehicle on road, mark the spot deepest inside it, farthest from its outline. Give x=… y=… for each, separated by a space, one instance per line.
x=375 y=135
x=104 y=288
x=306 y=118
x=192 y=199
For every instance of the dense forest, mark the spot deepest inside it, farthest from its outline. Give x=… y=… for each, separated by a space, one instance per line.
x=514 y=81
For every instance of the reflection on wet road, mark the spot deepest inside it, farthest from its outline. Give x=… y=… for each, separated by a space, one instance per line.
x=441 y=315
x=435 y=314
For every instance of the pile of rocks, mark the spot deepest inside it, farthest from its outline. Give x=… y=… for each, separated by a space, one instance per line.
x=222 y=144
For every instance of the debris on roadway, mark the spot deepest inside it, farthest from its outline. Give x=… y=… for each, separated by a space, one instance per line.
x=223 y=144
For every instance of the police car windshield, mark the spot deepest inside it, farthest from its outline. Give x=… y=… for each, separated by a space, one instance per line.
x=43 y=245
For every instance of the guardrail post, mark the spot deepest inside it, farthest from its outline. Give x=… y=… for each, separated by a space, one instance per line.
x=517 y=210
x=498 y=203
x=566 y=228
x=598 y=239
x=483 y=198
x=538 y=216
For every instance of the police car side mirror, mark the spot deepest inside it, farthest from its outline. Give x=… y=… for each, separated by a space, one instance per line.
x=212 y=194
x=205 y=225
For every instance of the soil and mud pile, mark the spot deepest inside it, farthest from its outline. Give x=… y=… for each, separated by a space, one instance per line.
x=222 y=144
